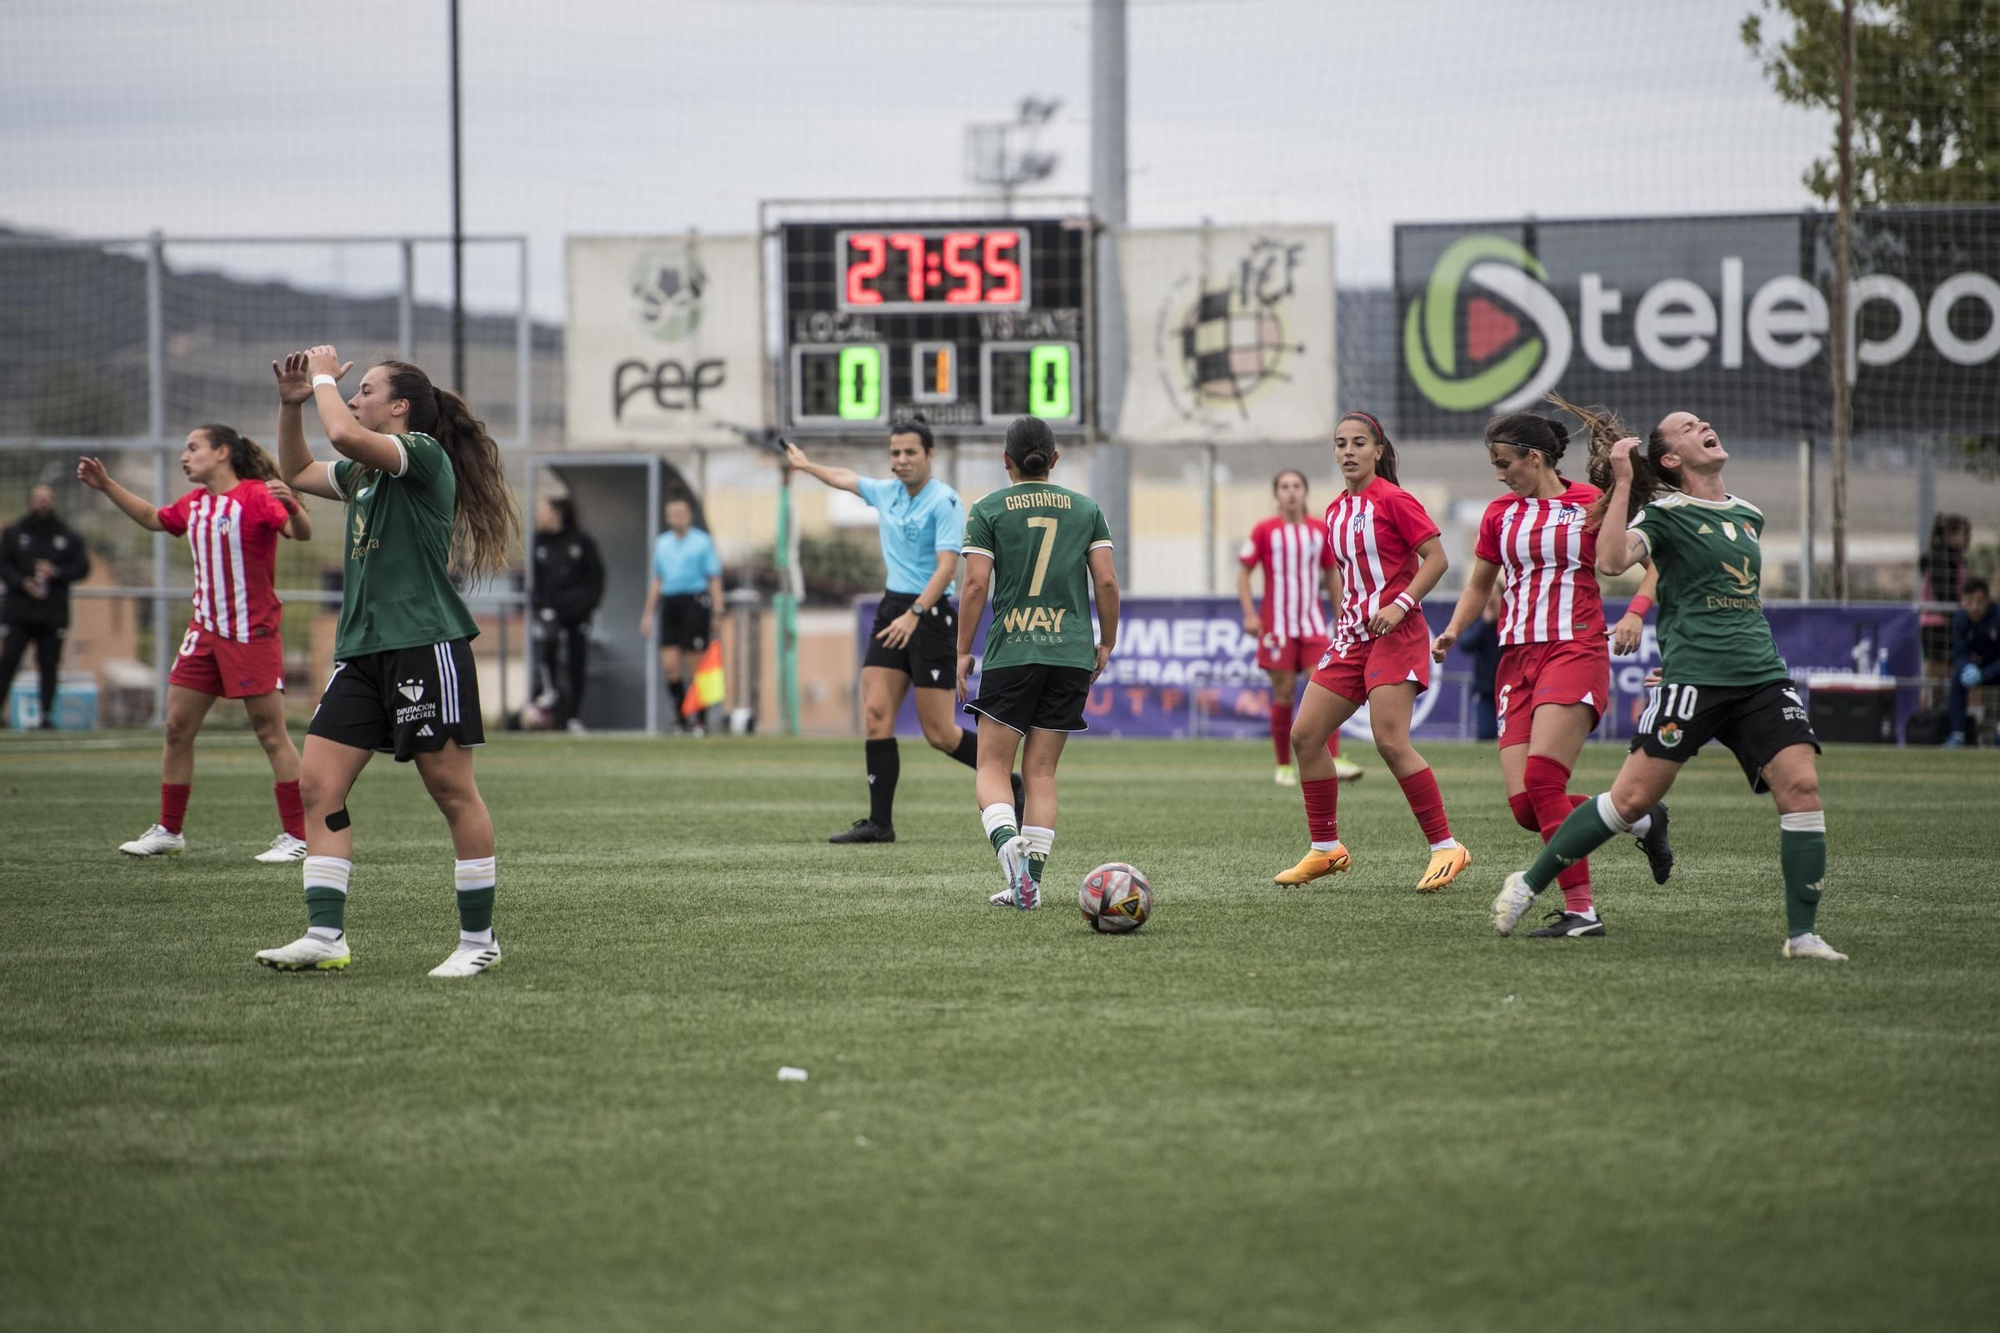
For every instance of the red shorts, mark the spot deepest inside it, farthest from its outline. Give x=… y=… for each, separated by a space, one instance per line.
x=211 y=664
x=1561 y=671
x=1403 y=655
x=1277 y=653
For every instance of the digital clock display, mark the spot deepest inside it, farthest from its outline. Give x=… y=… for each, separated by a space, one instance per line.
x=905 y=270
x=971 y=321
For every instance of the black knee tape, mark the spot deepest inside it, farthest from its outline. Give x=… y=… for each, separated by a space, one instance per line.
x=338 y=820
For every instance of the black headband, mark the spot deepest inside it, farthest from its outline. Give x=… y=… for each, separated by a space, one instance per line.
x=1538 y=448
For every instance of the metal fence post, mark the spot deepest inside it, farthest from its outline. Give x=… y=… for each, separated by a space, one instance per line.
x=406 y=305
x=156 y=429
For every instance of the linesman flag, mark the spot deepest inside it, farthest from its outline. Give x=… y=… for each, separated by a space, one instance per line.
x=708 y=689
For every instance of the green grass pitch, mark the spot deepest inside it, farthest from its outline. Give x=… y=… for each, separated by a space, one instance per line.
x=1344 y=1107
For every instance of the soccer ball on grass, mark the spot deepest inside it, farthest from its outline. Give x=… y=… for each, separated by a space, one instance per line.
x=1115 y=899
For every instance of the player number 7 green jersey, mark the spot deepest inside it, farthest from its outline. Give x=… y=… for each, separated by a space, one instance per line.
x=1039 y=538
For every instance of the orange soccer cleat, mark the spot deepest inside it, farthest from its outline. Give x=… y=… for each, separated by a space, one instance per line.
x=1445 y=866
x=1313 y=866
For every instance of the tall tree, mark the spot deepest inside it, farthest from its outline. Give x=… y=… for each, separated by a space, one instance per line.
x=1927 y=93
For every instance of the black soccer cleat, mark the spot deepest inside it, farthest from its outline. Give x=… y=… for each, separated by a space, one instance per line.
x=1567 y=925
x=1020 y=797
x=866 y=830
x=1659 y=852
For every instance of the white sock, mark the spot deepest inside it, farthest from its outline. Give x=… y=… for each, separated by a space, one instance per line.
x=1608 y=812
x=327 y=933
x=1445 y=845
x=478 y=873
x=475 y=937
x=1806 y=821
x=999 y=815
x=327 y=872
x=1040 y=840
x=1327 y=846
x=1642 y=825
x=1589 y=915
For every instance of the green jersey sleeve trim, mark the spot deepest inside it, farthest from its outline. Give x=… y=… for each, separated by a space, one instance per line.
x=1105 y=542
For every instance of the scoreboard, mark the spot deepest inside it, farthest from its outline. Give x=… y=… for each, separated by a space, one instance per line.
x=972 y=323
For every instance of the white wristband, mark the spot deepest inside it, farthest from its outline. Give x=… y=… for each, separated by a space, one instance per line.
x=1405 y=601
x=327 y=380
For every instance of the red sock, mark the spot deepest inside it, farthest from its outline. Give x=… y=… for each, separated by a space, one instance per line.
x=1523 y=807
x=291 y=808
x=1281 y=732
x=1548 y=783
x=1322 y=808
x=174 y=804
x=1333 y=743
x=1420 y=789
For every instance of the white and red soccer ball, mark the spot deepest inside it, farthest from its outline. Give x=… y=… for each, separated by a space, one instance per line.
x=1115 y=899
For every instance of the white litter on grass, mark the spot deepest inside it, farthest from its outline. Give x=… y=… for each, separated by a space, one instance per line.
x=861 y=1140
x=787 y=1074
x=1508 y=1000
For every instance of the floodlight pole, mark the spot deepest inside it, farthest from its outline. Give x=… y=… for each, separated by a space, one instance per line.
x=1110 y=461
x=457 y=223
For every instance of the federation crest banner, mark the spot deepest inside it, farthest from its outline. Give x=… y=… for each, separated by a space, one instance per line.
x=1228 y=335
x=665 y=341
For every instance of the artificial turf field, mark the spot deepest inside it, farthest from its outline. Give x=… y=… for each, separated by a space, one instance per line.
x=1349 y=1106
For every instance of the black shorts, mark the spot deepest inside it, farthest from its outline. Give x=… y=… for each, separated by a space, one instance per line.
x=930 y=658
x=1038 y=696
x=685 y=621
x=1754 y=721
x=405 y=702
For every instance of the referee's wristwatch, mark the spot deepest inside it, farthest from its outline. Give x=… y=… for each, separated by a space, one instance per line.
x=919 y=610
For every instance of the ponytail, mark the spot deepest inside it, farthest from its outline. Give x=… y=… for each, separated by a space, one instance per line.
x=485 y=526
x=1648 y=477
x=246 y=459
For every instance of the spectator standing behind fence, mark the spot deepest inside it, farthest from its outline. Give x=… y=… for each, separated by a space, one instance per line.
x=1975 y=655
x=1942 y=566
x=40 y=556
x=685 y=590
x=569 y=583
x=1481 y=646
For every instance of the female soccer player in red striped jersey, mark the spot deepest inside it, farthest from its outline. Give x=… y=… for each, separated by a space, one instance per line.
x=1290 y=548
x=1387 y=551
x=1555 y=665
x=232 y=650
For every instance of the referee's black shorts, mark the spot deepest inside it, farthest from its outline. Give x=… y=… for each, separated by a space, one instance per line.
x=685 y=621
x=930 y=658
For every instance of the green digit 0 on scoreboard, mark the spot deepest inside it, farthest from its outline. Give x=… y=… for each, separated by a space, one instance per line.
x=1049 y=381
x=860 y=383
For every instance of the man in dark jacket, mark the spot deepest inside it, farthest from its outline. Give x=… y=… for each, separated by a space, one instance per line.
x=40 y=556
x=569 y=583
x=1975 y=654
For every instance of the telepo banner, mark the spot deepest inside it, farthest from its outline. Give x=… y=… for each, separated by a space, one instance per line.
x=1184 y=667
x=1228 y=335
x=665 y=341
x=1723 y=316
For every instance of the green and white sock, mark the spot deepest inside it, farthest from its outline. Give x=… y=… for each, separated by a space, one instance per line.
x=476 y=879
x=1040 y=840
x=1588 y=827
x=999 y=821
x=326 y=896
x=1802 y=853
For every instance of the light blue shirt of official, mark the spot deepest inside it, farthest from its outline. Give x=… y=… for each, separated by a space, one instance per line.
x=685 y=564
x=914 y=528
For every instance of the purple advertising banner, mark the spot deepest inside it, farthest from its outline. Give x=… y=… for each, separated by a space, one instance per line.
x=1184 y=667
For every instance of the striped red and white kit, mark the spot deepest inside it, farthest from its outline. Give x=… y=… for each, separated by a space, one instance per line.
x=1548 y=552
x=1374 y=536
x=234 y=540
x=1292 y=556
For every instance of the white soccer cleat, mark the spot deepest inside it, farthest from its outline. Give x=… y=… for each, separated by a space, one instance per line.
x=1022 y=891
x=1287 y=776
x=1004 y=898
x=155 y=841
x=308 y=953
x=284 y=848
x=1810 y=945
x=1346 y=770
x=1512 y=902
x=469 y=960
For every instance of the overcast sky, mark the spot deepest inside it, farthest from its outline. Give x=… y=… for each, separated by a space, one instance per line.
x=622 y=116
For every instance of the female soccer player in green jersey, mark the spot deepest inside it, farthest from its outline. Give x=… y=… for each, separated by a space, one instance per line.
x=1035 y=550
x=425 y=494
x=1720 y=674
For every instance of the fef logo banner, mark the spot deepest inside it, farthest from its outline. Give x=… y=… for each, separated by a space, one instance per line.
x=665 y=341
x=1229 y=335
x=1726 y=316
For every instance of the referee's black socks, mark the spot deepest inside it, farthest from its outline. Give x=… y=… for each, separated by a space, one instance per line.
x=885 y=765
x=967 y=752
